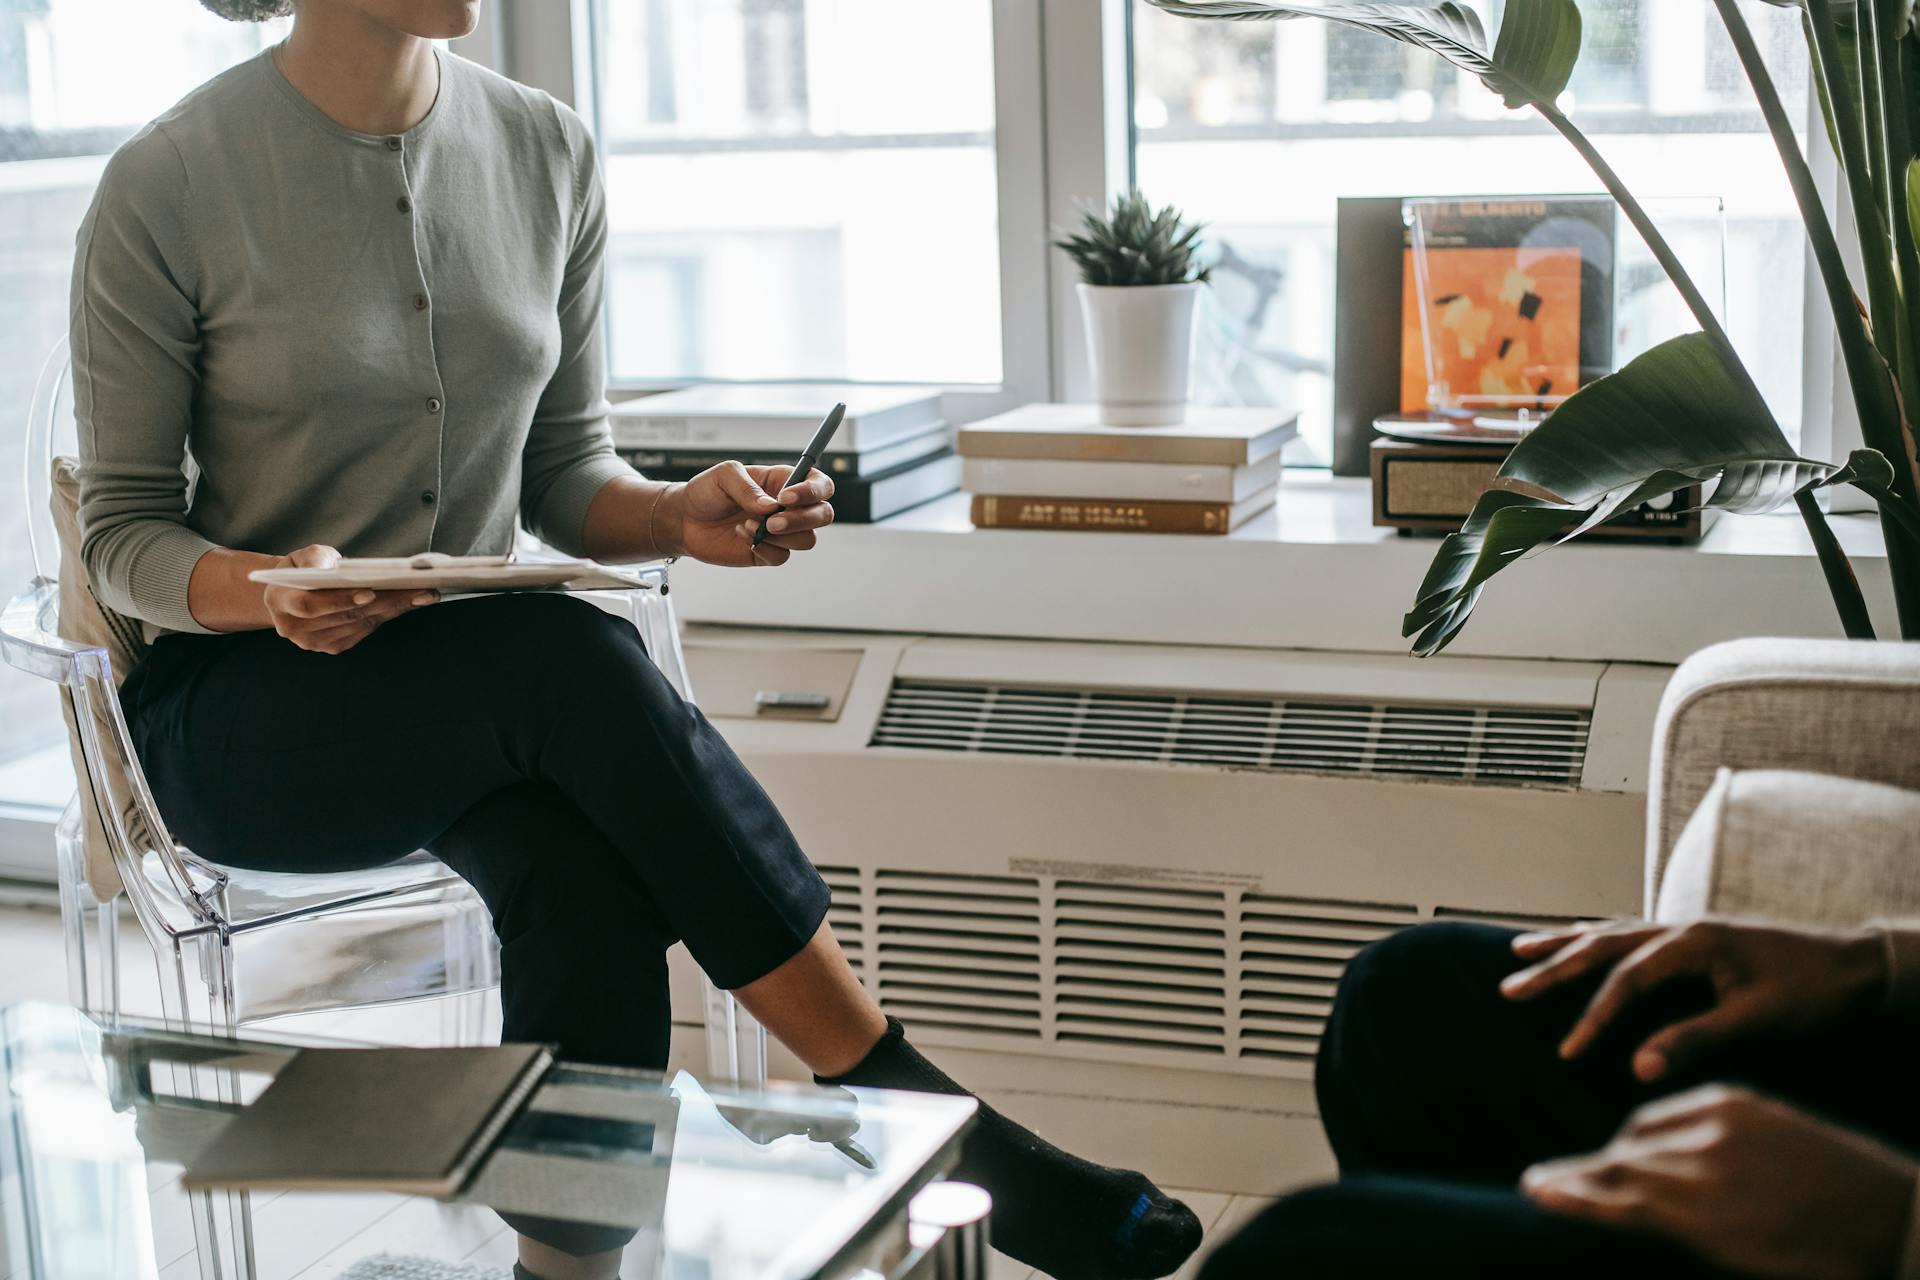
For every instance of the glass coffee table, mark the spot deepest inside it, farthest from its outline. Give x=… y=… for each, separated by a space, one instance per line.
x=678 y=1181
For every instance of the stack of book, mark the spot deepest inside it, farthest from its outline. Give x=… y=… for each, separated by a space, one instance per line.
x=1056 y=466
x=892 y=452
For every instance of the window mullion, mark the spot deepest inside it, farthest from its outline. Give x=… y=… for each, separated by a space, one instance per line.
x=1020 y=159
x=1085 y=71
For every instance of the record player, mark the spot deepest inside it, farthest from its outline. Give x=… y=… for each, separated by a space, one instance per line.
x=1505 y=309
x=1426 y=480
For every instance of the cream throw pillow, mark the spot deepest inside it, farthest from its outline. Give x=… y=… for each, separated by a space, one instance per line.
x=84 y=620
x=1803 y=847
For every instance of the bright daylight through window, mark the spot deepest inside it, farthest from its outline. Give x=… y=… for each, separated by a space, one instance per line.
x=1257 y=128
x=799 y=189
x=77 y=77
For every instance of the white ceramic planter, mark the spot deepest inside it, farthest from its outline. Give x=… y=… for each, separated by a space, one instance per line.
x=1140 y=338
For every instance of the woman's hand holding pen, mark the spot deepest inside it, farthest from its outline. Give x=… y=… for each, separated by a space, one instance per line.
x=718 y=511
x=333 y=621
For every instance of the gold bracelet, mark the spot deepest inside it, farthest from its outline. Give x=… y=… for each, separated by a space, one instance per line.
x=653 y=538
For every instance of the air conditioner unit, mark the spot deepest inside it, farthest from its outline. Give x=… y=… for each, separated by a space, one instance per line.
x=1114 y=885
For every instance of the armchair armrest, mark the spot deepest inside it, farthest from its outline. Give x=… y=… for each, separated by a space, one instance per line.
x=1839 y=707
x=1806 y=848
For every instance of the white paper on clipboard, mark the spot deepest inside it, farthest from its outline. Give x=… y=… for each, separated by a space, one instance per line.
x=455 y=574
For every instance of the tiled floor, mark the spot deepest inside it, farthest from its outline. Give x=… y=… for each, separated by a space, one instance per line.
x=316 y=1237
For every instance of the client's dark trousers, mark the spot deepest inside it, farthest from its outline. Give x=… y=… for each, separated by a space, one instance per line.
x=1437 y=1092
x=530 y=743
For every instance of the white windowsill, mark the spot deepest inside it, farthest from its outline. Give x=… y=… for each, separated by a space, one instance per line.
x=1312 y=574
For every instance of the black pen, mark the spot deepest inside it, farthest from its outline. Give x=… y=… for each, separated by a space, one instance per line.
x=808 y=460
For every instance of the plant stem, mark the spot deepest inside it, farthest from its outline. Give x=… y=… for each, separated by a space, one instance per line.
x=1662 y=252
x=1848 y=120
x=1891 y=506
x=1882 y=419
x=1905 y=358
x=1873 y=99
x=1872 y=382
x=1872 y=390
x=1841 y=582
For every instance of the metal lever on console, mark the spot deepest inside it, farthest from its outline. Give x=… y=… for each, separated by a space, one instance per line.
x=782 y=700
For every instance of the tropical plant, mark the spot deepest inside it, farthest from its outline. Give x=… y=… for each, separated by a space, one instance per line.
x=1687 y=411
x=1134 y=245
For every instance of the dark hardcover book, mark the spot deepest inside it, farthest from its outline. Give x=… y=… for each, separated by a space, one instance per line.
x=413 y=1121
x=872 y=499
x=1101 y=515
x=862 y=465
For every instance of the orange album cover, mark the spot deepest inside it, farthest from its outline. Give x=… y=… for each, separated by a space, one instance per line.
x=1503 y=325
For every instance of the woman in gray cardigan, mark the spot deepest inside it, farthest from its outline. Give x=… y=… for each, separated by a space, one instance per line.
x=358 y=283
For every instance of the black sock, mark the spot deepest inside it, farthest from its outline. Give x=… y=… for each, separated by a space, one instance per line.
x=1067 y=1217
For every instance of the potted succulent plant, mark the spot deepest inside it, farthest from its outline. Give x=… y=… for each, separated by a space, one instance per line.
x=1138 y=282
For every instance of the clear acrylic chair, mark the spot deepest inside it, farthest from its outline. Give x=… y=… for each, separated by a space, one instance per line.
x=236 y=947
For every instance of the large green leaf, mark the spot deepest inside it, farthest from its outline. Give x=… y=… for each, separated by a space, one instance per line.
x=1531 y=61
x=1679 y=407
x=1671 y=418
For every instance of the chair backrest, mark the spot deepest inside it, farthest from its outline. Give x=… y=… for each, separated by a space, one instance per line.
x=57 y=630
x=45 y=427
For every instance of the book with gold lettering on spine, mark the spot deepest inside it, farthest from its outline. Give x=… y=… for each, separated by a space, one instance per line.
x=1101 y=515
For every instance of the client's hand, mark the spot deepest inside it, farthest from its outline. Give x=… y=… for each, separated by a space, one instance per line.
x=1746 y=1182
x=1765 y=977
x=333 y=621
x=719 y=510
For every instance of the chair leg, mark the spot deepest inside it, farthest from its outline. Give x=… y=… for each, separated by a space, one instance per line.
x=93 y=947
x=222 y=1220
x=107 y=921
x=736 y=1042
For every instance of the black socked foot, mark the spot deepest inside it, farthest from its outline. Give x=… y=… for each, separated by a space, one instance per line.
x=1067 y=1217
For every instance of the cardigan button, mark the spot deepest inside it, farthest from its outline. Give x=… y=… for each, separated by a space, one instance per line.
x=393 y=144
x=426 y=497
x=419 y=302
x=403 y=204
x=433 y=404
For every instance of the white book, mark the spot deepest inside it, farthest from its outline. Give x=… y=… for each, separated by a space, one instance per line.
x=1141 y=481
x=776 y=416
x=1074 y=432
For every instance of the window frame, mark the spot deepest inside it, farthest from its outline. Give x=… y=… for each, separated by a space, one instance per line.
x=1064 y=138
x=1053 y=108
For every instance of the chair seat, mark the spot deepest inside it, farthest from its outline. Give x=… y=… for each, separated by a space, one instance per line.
x=346 y=939
x=257 y=898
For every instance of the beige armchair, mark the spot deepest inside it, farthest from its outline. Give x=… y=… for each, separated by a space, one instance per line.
x=1786 y=783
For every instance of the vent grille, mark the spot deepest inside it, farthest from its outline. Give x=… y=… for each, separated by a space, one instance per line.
x=1506 y=746
x=1140 y=966
x=846 y=916
x=1293 y=951
x=1126 y=971
x=959 y=951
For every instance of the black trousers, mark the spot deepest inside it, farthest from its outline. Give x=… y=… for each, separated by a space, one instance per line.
x=528 y=742
x=1437 y=1092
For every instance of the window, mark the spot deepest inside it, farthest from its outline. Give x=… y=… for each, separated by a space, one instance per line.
x=799 y=188
x=77 y=77
x=1256 y=128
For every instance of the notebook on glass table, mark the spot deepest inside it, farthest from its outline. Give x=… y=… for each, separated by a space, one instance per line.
x=454 y=574
x=413 y=1121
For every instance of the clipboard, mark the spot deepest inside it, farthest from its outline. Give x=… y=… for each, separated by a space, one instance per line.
x=451 y=575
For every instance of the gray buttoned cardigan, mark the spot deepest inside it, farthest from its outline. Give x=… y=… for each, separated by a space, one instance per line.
x=385 y=344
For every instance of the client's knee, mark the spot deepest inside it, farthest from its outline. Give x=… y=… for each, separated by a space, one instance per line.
x=1403 y=988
